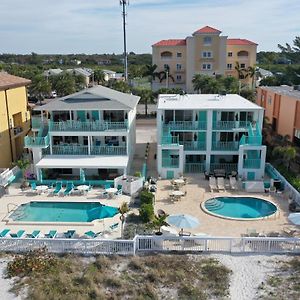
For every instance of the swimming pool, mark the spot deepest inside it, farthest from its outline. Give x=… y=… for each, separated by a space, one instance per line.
x=78 y=212
x=239 y=208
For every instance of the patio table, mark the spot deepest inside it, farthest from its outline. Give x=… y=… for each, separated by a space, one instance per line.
x=42 y=188
x=111 y=192
x=178 y=193
x=179 y=181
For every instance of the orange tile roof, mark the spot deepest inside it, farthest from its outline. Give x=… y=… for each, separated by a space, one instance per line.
x=239 y=42
x=207 y=29
x=175 y=42
x=11 y=81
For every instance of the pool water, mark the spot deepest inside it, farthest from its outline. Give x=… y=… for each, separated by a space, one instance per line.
x=240 y=207
x=43 y=211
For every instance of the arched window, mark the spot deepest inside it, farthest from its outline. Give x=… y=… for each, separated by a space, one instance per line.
x=243 y=53
x=166 y=54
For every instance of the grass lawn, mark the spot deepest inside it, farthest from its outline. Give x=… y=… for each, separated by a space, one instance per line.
x=140 y=277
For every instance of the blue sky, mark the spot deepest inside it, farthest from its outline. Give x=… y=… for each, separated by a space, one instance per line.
x=95 y=26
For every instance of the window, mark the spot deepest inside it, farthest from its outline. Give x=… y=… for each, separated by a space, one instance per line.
x=229 y=66
x=243 y=53
x=207 y=54
x=229 y=54
x=207 y=40
x=243 y=66
x=166 y=67
x=166 y=55
x=178 y=77
x=178 y=67
x=206 y=66
x=179 y=54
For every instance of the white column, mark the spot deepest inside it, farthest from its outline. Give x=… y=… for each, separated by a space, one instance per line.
x=159 y=160
x=159 y=127
x=209 y=124
x=89 y=145
x=50 y=144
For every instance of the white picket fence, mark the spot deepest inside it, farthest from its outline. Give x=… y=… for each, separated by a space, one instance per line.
x=148 y=244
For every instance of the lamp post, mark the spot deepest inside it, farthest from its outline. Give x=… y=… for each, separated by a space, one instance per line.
x=124 y=3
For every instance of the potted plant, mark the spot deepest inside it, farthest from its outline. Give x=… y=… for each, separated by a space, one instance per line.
x=158 y=222
x=123 y=210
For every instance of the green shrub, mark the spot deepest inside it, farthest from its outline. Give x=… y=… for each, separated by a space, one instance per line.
x=146 y=212
x=37 y=261
x=146 y=197
x=290 y=177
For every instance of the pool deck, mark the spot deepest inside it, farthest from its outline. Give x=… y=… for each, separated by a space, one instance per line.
x=198 y=191
x=17 y=197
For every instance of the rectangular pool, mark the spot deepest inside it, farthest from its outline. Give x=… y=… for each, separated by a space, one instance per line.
x=47 y=211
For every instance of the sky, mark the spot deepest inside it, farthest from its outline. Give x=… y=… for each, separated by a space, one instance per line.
x=95 y=26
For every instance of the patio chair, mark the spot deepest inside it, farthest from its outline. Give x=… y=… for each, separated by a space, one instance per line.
x=58 y=188
x=120 y=189
x=221 y=184
x=19 y=234
x=107 y=186
x=91 y=234
x=233 y=183
x=290 y=232
x=69 y=188
x=114 y=227
x=69 y=234
x=4 y=233
x=33 y=187
x=51 y=234
x=212 y=184
x=34 y=234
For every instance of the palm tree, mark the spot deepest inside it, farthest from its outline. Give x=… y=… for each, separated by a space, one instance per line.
x=165 y=75
x=123 y=210
x=240 y=70
x=40 y=87
x=146 y=96
x=160 y=221
x=252 y=73
x=150 y=71
x=284 y=155
x=197 y=83
x=23 y=165
x=99 y=76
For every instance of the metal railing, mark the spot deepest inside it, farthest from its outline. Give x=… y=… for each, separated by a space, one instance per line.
x=193 y=146
x=186 y=125
x=251 y=163
x=71 y=125
x=228 y=167
x=170 y=140
x=170 y=162
x=70 y=150
x=251 y=140
x=37 y=122
x=40 y=142
x=108 y=150
x=194 y=167
x=229 y=125
x=225 y=146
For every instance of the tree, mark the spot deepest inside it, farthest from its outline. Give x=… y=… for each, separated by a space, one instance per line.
x=292 y=52
x=120 y=86
x=80 y=82
x=252 y=73
x=146 y=97
x=40 y=87
x=159 y=221
x=99 y=76
x=241 y=71
x=64 y=84
x=248 y=94
x=269 y=81
x=285 y=155
x=165 y=75
x=150 y=71
x=230 y=84
x=123 y=210
x=206 y=84
x=23 y=165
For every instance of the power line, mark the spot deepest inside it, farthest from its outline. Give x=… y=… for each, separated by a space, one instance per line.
x=124 y=4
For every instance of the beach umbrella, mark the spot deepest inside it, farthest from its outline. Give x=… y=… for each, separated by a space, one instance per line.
x=294 y=218
x=102 y=212
x=183 y=221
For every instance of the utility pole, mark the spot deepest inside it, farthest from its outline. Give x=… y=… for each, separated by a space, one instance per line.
x=124 y=4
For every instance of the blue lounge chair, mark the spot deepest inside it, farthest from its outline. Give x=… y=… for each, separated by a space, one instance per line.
x=91 y=234
x=19 y=234
x=4 y=232
x=107 y=186
x=51 y=235
x=57 y=188
x=33 y=186
x=69 y=188
x=69 y=234
x=114 y=227
x=34 y=234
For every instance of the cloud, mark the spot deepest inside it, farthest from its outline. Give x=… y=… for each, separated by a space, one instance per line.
x=76 y=26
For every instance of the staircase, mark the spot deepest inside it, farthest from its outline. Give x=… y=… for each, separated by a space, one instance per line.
x=213 y=204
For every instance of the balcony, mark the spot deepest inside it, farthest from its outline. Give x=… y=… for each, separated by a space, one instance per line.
x=193 y=146
x=230 y=125
x=251 y=140
x=36 y=142
x=194 y=167
x=87 y=126
x=228 y=167
x=170 y=140
x=186 y=125
x=251 y=163
x=108 y=150
x=225 y=146
x=36 y=123
x=170 y=162
x=70 y=150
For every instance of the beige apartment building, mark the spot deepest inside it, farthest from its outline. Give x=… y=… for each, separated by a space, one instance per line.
x=205 y=52
x=282 y=109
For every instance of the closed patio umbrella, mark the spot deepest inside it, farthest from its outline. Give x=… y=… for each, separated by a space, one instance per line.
x=183 y=221
x=294 y=218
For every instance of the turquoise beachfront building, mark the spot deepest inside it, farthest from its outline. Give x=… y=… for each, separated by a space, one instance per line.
x=202 y=132
x=86 y=136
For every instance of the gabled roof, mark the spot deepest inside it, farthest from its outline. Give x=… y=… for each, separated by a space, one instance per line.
x=10 y=81
x=240 y=42
x=95 y=98
x=207 y=29
x=172 y=42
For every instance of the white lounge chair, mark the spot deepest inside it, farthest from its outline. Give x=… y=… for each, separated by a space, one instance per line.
x=221 y=184
x=212 y=184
